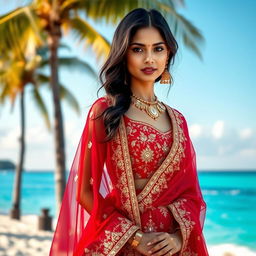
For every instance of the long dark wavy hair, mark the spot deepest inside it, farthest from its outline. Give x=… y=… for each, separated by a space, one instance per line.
x=114 y=75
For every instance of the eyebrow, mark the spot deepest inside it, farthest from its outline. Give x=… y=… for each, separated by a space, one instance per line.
x=144 y=44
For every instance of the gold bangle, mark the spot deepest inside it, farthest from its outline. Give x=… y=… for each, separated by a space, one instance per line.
x=136 y=239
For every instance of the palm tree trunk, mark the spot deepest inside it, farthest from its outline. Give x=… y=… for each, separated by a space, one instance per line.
x=60 y=177
x=15 y=211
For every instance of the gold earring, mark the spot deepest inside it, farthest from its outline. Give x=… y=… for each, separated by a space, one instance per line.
x=166 y=77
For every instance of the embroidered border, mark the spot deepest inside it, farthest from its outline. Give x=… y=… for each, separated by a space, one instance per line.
x=153 y=180
x=160 y=178
x=128 y=172
x=113 y=240
x=182 y=217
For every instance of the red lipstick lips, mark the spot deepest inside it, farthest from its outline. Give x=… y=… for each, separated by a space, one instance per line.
x=148 y=70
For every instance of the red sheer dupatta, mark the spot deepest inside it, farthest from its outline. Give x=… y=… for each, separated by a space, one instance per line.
x=101 y=230
x=187 y=204
x=102 y=172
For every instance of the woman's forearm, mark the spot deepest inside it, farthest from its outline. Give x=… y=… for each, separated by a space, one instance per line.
x=86 y=200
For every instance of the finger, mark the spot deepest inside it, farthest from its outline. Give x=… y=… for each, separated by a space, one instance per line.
x=158 y=247
x=164 y=251
x=170 y=253
x=158 y=239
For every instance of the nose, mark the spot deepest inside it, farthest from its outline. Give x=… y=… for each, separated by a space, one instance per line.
x=149 y=58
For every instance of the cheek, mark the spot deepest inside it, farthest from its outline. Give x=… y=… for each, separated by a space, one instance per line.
x=133 y=62
x=161 y=62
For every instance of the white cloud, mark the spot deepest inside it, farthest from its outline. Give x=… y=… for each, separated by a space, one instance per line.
x=195 y=130
x=9 y=139
x=246 y=133
x=38 y=135
x=218 y=129
x=248 y=152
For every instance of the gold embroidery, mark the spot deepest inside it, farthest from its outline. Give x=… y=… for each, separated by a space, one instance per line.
x=114 y=239
x=76 y=177
x=143 y=137
x=147 y=142
x=128 y=187
x=182 y=217
x=91 y=181
x=165 y=147
x=162 y=175
x=147 y=155
x=150 y=225
x=89 y=144
x=124 y=174
x=163 y=211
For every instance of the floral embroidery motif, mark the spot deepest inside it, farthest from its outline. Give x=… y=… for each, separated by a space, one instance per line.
x=147 y=155
x=163 y=211
x=157 y=219
x=150 y=226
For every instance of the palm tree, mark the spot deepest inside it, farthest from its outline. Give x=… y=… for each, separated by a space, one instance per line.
x=15 y=76
x=52 y=17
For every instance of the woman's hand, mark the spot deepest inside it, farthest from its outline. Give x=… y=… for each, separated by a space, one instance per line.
x=165 y=244
x=143 y=248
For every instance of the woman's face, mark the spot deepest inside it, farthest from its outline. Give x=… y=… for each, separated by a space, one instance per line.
x=146 y=55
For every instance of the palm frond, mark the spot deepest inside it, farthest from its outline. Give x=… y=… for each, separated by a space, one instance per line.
x=66 y=95
x=84 y=32
x=41 y=106
x=101 y=10
x=72 y=63
x=14 y=25
x=42 y=79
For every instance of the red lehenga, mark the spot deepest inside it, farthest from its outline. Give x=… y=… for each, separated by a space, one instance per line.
x=171 y=198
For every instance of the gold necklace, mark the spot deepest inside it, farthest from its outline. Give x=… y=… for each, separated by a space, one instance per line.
x=152 y=108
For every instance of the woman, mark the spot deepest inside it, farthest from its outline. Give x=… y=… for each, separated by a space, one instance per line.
x=133 y=187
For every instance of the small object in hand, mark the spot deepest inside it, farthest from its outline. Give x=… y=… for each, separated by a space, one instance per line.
x=136 y=239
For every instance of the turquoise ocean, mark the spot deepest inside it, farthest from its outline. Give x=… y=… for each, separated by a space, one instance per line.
x=230 y=197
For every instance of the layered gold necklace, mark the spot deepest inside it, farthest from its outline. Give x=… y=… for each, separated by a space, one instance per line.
x=152 y=108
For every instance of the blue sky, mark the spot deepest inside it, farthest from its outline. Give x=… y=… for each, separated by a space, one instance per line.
x=216 y=95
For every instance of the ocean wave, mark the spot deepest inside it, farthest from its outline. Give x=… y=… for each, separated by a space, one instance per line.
x=228 y=191
x=230 y=250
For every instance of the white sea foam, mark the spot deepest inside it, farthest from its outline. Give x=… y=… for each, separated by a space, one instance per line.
x=230 y=250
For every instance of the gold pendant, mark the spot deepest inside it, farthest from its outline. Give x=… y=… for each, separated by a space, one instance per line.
x=152 y=111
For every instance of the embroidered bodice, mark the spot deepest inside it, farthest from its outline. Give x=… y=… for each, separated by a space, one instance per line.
x=148 y=147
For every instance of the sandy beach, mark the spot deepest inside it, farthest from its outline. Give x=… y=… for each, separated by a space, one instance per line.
x=22 y=238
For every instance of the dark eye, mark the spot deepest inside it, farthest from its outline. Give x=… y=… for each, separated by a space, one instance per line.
x=137 y=49
x=159 y=49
